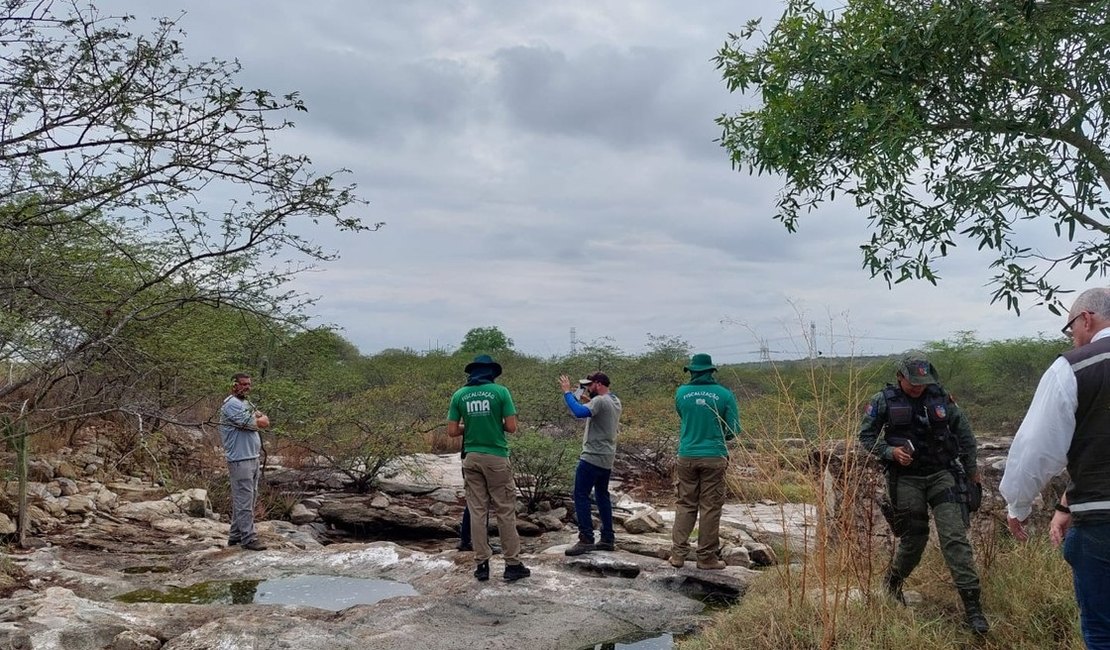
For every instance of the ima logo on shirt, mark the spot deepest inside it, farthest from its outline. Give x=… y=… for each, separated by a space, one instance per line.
x=478 y=407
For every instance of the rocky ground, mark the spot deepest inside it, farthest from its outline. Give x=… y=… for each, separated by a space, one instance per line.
x=100 y=536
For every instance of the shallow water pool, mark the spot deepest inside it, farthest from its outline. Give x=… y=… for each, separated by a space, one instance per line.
x=323 y=592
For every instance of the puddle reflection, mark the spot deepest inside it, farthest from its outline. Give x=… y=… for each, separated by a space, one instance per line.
x=323 y=592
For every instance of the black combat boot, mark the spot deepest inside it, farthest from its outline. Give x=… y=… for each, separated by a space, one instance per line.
x=481 y=572
x=515 y=572
x=974 y=611
x=893 y=585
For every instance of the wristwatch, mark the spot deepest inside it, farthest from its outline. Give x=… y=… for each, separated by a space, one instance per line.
x=1062 y=508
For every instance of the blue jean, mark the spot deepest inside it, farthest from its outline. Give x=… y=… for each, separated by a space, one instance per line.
x=591 y=478
x=1087 y=550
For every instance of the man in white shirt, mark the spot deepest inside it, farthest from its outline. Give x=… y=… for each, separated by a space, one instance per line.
x=1068 y=426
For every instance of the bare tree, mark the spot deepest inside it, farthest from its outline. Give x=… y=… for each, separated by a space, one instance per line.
x=135 y=182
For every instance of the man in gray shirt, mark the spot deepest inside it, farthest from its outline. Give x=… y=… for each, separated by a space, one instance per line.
x=599 y=448
x=240 y=423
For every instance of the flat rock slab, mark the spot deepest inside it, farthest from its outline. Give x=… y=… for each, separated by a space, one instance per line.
x=563 y=604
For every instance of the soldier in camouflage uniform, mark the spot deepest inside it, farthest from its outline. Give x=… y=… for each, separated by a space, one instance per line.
x=926 y=444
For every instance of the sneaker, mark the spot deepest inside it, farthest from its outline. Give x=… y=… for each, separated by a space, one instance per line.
x=677 y=560
x=712 y=564
x=580 y=547
x=482 y=572
x=605 y=546
x=255 y=545
x=516 y=572
x=464 y=546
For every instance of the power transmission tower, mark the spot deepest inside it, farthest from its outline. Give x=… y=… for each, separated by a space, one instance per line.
x=764 y=354
x=573 y=342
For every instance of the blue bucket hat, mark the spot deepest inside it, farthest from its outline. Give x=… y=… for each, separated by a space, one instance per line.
x=483 y=360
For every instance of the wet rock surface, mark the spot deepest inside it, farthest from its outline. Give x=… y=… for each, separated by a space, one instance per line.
x=99 y=537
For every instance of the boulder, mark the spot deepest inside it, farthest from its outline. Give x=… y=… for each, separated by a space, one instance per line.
x=39 y=471
x=360 y=514
x=65 y=469
x=302 y=515
x=547 y=521
x=67 y=486
x=135 y=492
x=527 y=528
x=736 y=556
x=193 y=502
x=79 y=504
x=644 y=520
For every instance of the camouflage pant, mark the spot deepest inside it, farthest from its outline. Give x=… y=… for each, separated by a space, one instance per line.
x=915 y=495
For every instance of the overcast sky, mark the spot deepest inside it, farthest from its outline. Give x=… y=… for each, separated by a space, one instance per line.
x=543 y=166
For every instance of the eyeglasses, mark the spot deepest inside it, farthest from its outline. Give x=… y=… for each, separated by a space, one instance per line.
x=1066 y=329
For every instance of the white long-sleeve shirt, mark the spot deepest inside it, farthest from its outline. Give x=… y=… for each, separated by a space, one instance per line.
x=1040 y=448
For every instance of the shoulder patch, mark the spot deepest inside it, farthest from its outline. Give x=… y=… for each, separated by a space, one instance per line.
x=870 y=410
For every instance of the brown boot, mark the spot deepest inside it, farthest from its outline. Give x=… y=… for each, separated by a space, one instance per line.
x=712 y=564
x=677 y=560
x=580 y=547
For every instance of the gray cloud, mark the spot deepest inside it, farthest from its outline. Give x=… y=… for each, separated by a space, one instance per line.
x=543 y=166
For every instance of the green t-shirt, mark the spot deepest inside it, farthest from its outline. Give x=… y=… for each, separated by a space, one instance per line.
x=482 y=410
x=709 y=417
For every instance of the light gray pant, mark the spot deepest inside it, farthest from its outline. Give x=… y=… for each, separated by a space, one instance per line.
x=244 y=487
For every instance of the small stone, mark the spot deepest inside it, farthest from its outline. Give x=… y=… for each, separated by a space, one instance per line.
x=132 y=640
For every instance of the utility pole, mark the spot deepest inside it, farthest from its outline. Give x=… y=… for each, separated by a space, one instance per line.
x=812 y=340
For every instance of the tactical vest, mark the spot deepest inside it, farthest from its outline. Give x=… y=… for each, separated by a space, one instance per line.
x=925 y=423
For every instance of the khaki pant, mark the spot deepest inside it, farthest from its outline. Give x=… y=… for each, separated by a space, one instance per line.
x=700 y=487
x=489 y=481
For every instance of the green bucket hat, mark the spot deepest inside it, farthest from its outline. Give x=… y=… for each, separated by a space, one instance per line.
x=700 y=363
x=917 y=370
x=483 y=360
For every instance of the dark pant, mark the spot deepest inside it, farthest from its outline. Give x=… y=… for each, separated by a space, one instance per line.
x=591 y=478
x=1087 y=550
x=916 y=496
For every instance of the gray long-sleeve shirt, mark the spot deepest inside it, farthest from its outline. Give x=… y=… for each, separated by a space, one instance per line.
x=238 y=430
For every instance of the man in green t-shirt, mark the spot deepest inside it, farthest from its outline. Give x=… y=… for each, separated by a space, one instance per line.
x=710 y=416
x=482 y=412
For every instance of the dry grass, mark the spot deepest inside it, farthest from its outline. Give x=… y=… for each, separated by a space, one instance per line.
x=1027 y=598
x=832 y=600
